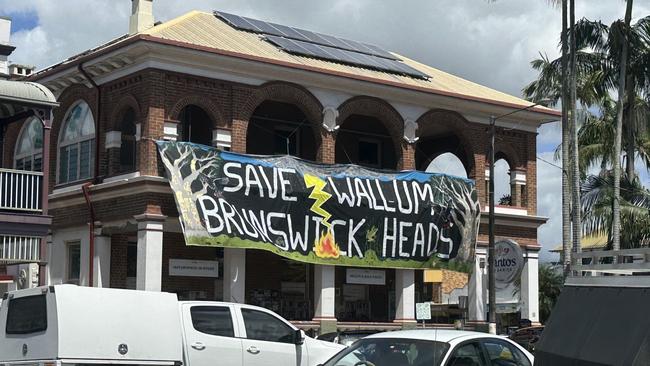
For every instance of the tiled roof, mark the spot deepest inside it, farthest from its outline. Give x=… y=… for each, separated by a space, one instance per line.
x=205 y=30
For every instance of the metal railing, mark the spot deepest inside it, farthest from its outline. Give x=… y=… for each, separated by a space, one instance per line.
x=19 y=249
x=625 y=261
x=20 y=190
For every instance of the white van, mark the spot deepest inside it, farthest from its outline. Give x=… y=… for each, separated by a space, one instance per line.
x=71 y=325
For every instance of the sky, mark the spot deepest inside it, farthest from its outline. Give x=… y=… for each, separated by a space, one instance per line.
x=487 y=42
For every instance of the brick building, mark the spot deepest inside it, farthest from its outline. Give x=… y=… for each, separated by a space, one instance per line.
x=198 y=78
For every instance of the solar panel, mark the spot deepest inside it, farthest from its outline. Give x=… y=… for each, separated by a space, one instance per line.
x=308 y=49
x=273 y=29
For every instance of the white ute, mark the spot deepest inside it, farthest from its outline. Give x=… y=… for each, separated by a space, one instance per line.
x=71 y=325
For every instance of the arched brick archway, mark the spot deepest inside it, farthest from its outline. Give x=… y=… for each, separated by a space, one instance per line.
x=443 y=131
x=505 y=150
x=383 y=112
x=210 y=107
x=280 y=92
x=287 y=93
x=127 y=101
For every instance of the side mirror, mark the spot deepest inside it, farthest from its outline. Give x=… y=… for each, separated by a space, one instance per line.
x=299 y=337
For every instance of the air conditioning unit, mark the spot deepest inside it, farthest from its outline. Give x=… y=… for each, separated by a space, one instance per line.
x=27 y=276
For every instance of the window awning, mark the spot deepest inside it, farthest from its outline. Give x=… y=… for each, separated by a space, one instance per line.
x=18 y=96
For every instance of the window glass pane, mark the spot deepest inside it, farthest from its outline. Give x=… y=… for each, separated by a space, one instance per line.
x=38 y=163
x=20 y=164
x=31 y=137
x=27 y=315
x=73 y=160
x=78 y=122
x=502 y=353
x=84 y=159
x=63 y=164
x=265 y=327
x=393 y=352
x=466 y=355
x=131 y=260
x=74 y=261
x=28 y=164
x=212 y=320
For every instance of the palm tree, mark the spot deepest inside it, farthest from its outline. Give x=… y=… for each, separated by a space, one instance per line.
x=566 y=189
x=616 y=205
x=575 y=169
x=597 y=203
x=550 y=286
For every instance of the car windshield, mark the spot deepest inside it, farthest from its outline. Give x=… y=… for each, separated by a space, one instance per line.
x=391 y=352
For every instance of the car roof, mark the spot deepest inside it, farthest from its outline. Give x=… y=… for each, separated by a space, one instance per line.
x=440 y=335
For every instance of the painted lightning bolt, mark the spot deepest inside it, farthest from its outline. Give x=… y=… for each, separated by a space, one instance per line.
x=319 y=196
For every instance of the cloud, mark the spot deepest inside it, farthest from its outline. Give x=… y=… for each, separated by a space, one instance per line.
x=549 y=204
x=491 y=43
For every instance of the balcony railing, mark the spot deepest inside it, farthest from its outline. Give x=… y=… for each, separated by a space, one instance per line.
x=20 y=190
x=19 y=249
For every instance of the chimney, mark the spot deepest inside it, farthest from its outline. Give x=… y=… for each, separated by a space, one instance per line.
x=141 y=16
x=5 y=48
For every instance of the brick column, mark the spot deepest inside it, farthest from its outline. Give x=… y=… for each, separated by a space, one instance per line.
x=324 y=298
x=150 y=249
x=408 y=157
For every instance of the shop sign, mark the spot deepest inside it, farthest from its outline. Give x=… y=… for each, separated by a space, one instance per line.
x=365 y=276
x=323 y=214
x=509 y=261
x=423 y=311
x=193 y=268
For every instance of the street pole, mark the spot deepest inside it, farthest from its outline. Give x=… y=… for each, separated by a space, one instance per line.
x=491 y=265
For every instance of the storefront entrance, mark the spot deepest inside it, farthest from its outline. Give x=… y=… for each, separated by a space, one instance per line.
x=365 y=295
x=280 y=285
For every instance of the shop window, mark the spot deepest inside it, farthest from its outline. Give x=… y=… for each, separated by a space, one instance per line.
x=213 y=320
x=29 y=148
x=262 y=326
x=77 y=144
x=195 y=126
x=286 y=141
x=74 y=262
x=128 y=145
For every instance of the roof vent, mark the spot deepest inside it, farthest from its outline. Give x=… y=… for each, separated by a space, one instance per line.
x=141 y=16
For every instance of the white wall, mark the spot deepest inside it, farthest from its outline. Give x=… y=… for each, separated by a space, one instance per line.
x=58 y=254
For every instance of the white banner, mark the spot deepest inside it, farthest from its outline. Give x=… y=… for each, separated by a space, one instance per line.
x=193 y=268
x=365 y=276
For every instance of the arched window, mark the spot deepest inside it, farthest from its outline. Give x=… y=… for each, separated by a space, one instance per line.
x=127 y=148
x=29 y=149
x=195 y=125
x=77 y=144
